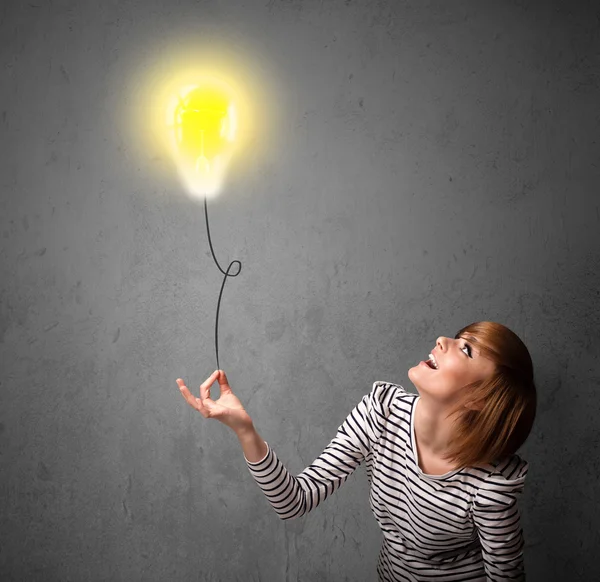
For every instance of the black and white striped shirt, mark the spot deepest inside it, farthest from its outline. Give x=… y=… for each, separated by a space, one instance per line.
x=463 y=525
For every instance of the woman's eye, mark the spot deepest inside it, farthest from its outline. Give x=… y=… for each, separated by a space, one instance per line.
x=467 y=347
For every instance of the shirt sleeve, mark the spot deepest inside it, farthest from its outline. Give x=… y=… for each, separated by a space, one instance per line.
x=498 y=520
x=292 y=497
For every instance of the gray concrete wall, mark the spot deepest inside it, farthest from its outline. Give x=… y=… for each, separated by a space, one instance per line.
x=424 y=165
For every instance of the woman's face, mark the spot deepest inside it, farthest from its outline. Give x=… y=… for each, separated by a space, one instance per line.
x=459 y=364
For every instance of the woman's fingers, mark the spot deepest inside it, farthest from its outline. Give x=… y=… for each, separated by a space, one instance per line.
x=224 y=383
x=195 y=403
x=206 y=385
x=186 y=393
x=198 y=403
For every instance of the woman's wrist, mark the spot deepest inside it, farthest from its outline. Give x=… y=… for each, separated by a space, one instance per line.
x=245 y=431
x=254 y=447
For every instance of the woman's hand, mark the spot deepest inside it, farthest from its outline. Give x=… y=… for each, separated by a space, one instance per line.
x=227 y=409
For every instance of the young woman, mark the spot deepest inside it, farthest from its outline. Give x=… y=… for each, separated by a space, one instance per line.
x=442 y=465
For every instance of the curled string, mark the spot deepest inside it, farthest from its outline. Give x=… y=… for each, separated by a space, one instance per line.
x=227 y=274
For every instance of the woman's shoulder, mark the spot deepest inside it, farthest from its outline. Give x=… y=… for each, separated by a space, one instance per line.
x=391 y=394
x=511 y=468
x=384 y=387
x=506 y=476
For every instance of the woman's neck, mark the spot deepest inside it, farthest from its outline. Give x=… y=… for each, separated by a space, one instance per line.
x=432 y=429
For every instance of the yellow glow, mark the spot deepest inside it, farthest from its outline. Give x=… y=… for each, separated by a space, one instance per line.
x=202 y=111
x=202 y=123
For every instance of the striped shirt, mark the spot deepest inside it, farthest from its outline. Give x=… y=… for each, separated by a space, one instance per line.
x=463 y=525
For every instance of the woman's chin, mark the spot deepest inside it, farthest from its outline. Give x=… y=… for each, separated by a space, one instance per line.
x=414 y=380
x=414 y=370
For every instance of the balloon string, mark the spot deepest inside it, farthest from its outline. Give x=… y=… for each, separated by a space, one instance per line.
x=227 y=274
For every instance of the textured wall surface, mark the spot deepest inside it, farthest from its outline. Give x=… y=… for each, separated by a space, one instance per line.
x=430 y=164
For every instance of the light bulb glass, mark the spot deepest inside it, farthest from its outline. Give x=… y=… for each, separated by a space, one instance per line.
x=202 y=121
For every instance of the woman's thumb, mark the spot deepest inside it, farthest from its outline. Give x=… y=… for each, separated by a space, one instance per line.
x=215 y=410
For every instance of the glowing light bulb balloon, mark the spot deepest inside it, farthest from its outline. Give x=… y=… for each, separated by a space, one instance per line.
x=199 y=104
x=202 y=120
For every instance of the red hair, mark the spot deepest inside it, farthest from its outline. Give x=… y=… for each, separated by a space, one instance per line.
x=506 y=401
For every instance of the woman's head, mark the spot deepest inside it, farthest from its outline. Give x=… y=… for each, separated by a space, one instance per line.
x=485 y=382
